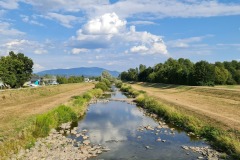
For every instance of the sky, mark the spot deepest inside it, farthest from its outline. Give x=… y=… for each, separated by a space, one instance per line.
x=119 y=34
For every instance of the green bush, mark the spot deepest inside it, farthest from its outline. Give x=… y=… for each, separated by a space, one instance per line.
x=64 y=114
x=96 y=92
x=118 y=84
x=43 y=125
x=45 y=122
x=88 y=96
x=102 y=86
x=79 y=101
x=106 y=81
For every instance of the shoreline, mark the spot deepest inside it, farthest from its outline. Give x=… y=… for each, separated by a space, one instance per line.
x=218 y=138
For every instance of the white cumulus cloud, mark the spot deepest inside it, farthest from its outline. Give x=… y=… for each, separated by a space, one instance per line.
x=109 y=31
x=108 y=23
x=153 y=43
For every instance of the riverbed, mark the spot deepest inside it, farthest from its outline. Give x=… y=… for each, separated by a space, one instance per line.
x=130 y=133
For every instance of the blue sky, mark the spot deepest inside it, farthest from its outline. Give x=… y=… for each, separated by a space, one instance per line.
x=117 y=35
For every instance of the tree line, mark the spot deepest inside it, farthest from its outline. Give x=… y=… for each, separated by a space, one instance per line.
x=185 y=72
x=71 y=79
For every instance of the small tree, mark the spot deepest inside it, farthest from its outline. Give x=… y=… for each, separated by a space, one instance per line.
x=106 y=74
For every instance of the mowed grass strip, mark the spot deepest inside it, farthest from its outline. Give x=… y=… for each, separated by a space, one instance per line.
x=220 y=105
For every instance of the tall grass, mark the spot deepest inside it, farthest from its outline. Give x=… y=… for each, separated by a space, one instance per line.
x=62 y=114
x=220 y=139
x=45 y=122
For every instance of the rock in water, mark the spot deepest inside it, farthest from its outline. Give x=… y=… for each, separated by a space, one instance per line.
x=86 y=142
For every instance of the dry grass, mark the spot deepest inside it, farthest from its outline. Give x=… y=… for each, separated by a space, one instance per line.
x=17 y=107
x=219 y=105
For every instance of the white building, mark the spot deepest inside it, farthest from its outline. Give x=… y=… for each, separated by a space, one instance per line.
x=1 y=85
x=86 y=79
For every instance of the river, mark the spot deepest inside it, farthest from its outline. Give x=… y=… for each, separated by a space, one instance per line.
x=120 y=127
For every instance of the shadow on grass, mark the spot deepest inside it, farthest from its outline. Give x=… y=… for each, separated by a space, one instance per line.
x=165 y=86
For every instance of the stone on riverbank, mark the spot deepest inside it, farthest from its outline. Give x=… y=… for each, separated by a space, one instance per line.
x=57 y=146
x=205 y=151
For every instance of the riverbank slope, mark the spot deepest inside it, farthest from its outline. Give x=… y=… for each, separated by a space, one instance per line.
x=221 y=133
x=220 y=105
x=20 y=107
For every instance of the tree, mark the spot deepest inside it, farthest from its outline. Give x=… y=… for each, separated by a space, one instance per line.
x=221 y=75
x=124 y=76
x=142 y=76
x=203 y=73
x=185 y=72
x=132 y=74
x=142 y=68
x=15 y=69
x=107 y=75
x=151 y=77
x=106 y=81
x=62 y=80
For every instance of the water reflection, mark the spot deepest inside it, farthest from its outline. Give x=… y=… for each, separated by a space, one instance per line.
x=115 y=124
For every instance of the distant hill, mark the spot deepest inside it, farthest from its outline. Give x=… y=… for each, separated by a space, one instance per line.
x=85 y=71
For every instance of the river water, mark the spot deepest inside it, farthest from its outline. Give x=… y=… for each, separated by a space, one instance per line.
x=116 y=125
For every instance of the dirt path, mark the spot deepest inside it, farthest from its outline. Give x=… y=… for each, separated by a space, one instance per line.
x=17 y=112
x=220 y=105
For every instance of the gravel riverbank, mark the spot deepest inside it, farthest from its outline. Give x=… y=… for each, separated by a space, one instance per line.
x=58 y=147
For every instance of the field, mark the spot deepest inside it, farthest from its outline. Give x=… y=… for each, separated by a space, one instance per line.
x=18 y=107
x=218 y=105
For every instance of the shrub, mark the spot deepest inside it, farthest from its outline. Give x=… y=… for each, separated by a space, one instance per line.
x=102 y=86
x=88 y=96
x=106 y=81
x=64 y=114
x=43 y=125
x=52 y=119
x=79 y=101
x=96 y=92
x=118 y=83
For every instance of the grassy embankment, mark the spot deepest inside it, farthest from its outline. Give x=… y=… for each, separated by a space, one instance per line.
x=224 y=140
x=25 y=128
